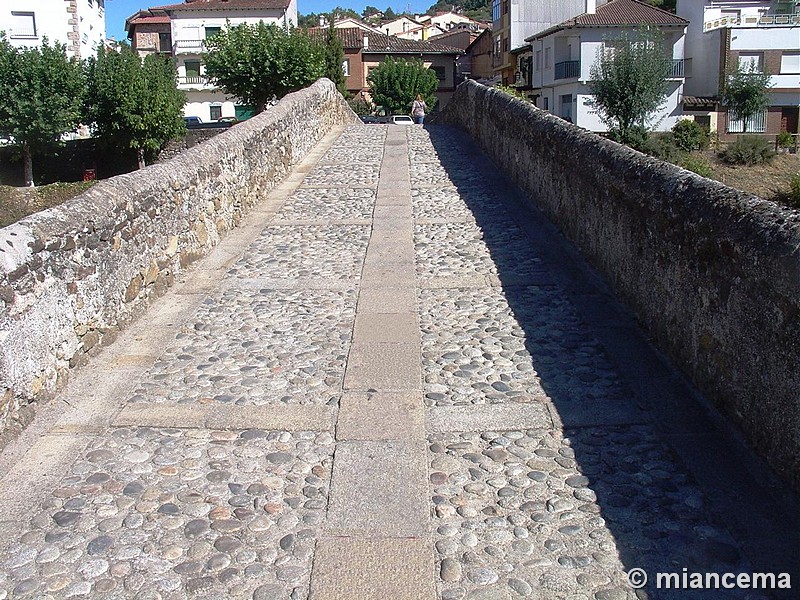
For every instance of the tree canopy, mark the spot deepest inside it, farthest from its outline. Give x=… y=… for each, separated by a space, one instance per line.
x=134 y=104
x=395 y=83
x=334 y=59
x=628 y=81
x=257 y=62
x=41 y=93
x=746 y=92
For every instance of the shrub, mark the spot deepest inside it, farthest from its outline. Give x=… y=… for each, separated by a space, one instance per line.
x=749 y=150
x=690 y=135
x=695 y=164
x=785 y=140
x=361 y=107
x=662 y=145
x=794 y=191
x=636 y=137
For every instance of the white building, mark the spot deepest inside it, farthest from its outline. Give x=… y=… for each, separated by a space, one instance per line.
x=194 y=21
x=78 y=24
x=562 y=57
x=725 y=33
x=513 y=21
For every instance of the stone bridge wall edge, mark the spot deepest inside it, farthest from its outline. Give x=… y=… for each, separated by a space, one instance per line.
x=711 y=272
x=73 y=276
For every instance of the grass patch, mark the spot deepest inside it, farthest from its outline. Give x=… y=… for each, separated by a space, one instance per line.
x=17 y=203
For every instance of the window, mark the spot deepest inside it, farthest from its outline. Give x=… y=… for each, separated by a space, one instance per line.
x=790 y=62
x=165 y=42
x=23 y=25
x=506 y=45
x=440 y=72
x=746 y=60
x=538 y=60
x=192 y=69
x=346 y=67
x=547 y=58
x=212 y=31
x=546 y=103
x=495 y=10
x=216 y=112
x=505 y=7
x=755 y=124
x=498 y=41
x=566 y=107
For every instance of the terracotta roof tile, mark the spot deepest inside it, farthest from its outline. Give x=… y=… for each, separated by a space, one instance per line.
x=227 y=5
x=618 y=13
x=378 y=43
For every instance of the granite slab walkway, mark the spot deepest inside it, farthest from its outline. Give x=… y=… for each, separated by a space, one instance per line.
x=395 y=381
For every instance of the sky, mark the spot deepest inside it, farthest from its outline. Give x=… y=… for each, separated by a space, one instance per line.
x=119 y=10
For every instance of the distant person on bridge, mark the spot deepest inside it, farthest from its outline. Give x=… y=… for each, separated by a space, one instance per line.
x=418 y=109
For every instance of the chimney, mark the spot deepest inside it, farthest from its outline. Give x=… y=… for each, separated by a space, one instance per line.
x=591 y=6
x=366 y=41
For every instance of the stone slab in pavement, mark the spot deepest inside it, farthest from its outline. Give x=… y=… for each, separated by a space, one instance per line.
x=381 y=416
x=360 y=568
x=383 y=367
x=379 y=488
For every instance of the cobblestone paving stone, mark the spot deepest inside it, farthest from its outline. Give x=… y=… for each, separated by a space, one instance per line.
x=355 y=175
x=321 y=251
x=543 y=515
x=462 y=249
x=268 y=346
x=476 y=349
x=320 y=204
x=166 y=513
x=457 y=205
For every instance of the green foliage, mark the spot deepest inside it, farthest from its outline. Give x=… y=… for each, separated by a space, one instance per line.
x=745 y=92
x=668 y=5
x=334 y=57
x=689 y=135
x=698 y=165
x=749 y=150
x=389 y=14
x=512 y=91
x=395 y=83
x=361 y=107
x=663 y=146
x=628 y=80
x=133 y=103
x=785 y=140
x=312 y=19
x=41 y=93
x=794 y=191
x=636 y=137
x=257 y=62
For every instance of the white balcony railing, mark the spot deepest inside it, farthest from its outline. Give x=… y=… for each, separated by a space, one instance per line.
x=189 y=46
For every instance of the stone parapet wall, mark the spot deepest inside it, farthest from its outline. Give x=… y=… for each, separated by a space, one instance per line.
x=711 y=272
x=72 y=276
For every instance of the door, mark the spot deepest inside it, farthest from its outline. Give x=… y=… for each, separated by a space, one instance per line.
x=789 y=118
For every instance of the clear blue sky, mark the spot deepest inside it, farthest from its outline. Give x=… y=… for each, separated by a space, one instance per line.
x=119 y=10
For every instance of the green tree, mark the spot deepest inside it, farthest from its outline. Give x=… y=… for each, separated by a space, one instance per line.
x=334 y=59
x=668 y=5
x=133 y=104
x=395 y=83
x=745 y=92
x=257 y=62
x=628 y=81
x=41 y=93
x=389 y=14
x=370 y=12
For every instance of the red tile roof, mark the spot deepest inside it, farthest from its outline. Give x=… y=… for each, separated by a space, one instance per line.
x=378 y=43
x=618 y=13
x=140 y=20
x=227 y=5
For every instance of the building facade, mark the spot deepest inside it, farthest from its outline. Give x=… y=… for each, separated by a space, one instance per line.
x=515 y=20
x=723 y=34
x=190 y=24
x=561 y=59
x=78 y=24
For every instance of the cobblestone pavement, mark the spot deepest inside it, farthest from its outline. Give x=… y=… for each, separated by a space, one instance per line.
x=390 y=383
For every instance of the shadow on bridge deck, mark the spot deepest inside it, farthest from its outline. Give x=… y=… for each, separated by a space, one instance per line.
x=677 y=487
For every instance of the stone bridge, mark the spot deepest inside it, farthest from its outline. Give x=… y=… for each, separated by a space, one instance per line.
x=396 y=378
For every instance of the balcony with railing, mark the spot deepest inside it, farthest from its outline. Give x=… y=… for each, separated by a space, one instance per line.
x=763 y=19
x=189 y=46
x=567 y=69
x=676 y=69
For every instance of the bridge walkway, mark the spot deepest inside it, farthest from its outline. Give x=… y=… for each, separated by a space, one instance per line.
x=393 y=381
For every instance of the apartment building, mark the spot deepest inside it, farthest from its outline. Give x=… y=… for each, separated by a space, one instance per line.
x=78 y=24
x=725 y=33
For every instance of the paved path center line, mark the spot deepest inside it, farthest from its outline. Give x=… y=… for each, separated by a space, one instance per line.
x=378 y=512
